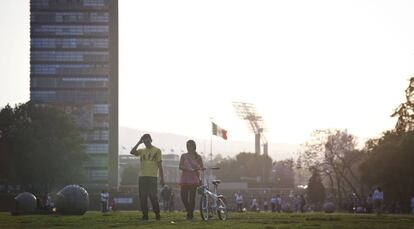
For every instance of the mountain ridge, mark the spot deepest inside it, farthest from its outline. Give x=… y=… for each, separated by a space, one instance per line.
x=176 y=143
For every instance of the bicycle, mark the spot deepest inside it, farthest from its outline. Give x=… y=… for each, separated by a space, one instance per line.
x=211 y=202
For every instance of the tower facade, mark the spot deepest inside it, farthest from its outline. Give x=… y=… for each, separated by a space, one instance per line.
x=74 y=66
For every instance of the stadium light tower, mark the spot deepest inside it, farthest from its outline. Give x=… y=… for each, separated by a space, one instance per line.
x=247 y=111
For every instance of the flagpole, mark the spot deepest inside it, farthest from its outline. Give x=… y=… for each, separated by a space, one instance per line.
x=211 y=140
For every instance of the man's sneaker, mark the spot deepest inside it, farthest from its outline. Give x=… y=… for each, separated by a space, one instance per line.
x=145 y=217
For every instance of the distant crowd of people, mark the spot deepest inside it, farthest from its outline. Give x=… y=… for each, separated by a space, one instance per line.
x=275 y=203
x=374 y=203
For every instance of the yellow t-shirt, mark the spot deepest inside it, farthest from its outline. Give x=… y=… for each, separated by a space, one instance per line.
x=149 y=161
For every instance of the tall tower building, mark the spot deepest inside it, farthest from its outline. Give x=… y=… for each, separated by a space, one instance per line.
x=74 y=66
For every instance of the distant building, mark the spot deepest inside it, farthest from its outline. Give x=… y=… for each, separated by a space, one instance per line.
x=125 y=161
x=170 y=164
x=74 y=66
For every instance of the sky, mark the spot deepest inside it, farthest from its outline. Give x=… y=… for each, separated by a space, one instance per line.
x=305 y=65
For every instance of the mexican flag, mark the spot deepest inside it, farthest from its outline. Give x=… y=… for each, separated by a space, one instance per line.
x=219 y=131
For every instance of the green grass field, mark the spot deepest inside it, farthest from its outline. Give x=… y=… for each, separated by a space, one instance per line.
x=237 y=220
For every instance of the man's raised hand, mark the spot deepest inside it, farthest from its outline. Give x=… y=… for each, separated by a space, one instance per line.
x=140 y=141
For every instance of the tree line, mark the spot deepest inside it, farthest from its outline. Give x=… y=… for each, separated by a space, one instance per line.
x=385 y=162
x=40 y=147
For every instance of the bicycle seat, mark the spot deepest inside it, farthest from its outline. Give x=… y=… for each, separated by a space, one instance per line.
x=216 y=182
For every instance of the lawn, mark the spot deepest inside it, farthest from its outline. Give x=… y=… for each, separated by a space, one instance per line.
x=129 y=219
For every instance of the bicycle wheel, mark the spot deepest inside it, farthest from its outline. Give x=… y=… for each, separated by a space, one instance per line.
x=204 y=207
x=222 y=210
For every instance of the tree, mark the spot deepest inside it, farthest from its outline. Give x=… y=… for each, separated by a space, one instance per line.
x=405 y=111
x=334 y=153
x=390 y=157
x=315 y=190
x=284 y=174
x=229 y=170
x=389 y=165
x=40 y=146
x=246 y=166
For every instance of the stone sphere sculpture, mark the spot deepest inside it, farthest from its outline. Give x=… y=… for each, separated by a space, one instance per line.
x=25 y=202
x=329 y=207
x=72 y=200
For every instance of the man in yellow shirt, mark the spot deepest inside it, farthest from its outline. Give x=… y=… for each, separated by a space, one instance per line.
x=151 y=163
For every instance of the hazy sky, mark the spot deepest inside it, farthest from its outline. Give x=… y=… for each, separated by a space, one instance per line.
x=305 y=64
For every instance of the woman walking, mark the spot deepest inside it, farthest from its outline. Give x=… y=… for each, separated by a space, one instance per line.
x=190 y=165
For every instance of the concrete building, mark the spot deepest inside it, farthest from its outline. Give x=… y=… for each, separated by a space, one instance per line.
x=170 y=164
x=74 y=66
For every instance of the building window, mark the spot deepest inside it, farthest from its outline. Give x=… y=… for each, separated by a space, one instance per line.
x=70 y=96
x=101 y=109
x=39 y=83
x=98 y=175
x=70 y=69
x=97 y=162
x=95 y=135
x=70 y=43
x=96 y=148
x=69 y=82
x=43 y=96
x=94 y=3
x=69 y=56
x=70 y=17
x=70 y=30
x=102 y=124
x=83 y=96
x=69 y=4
